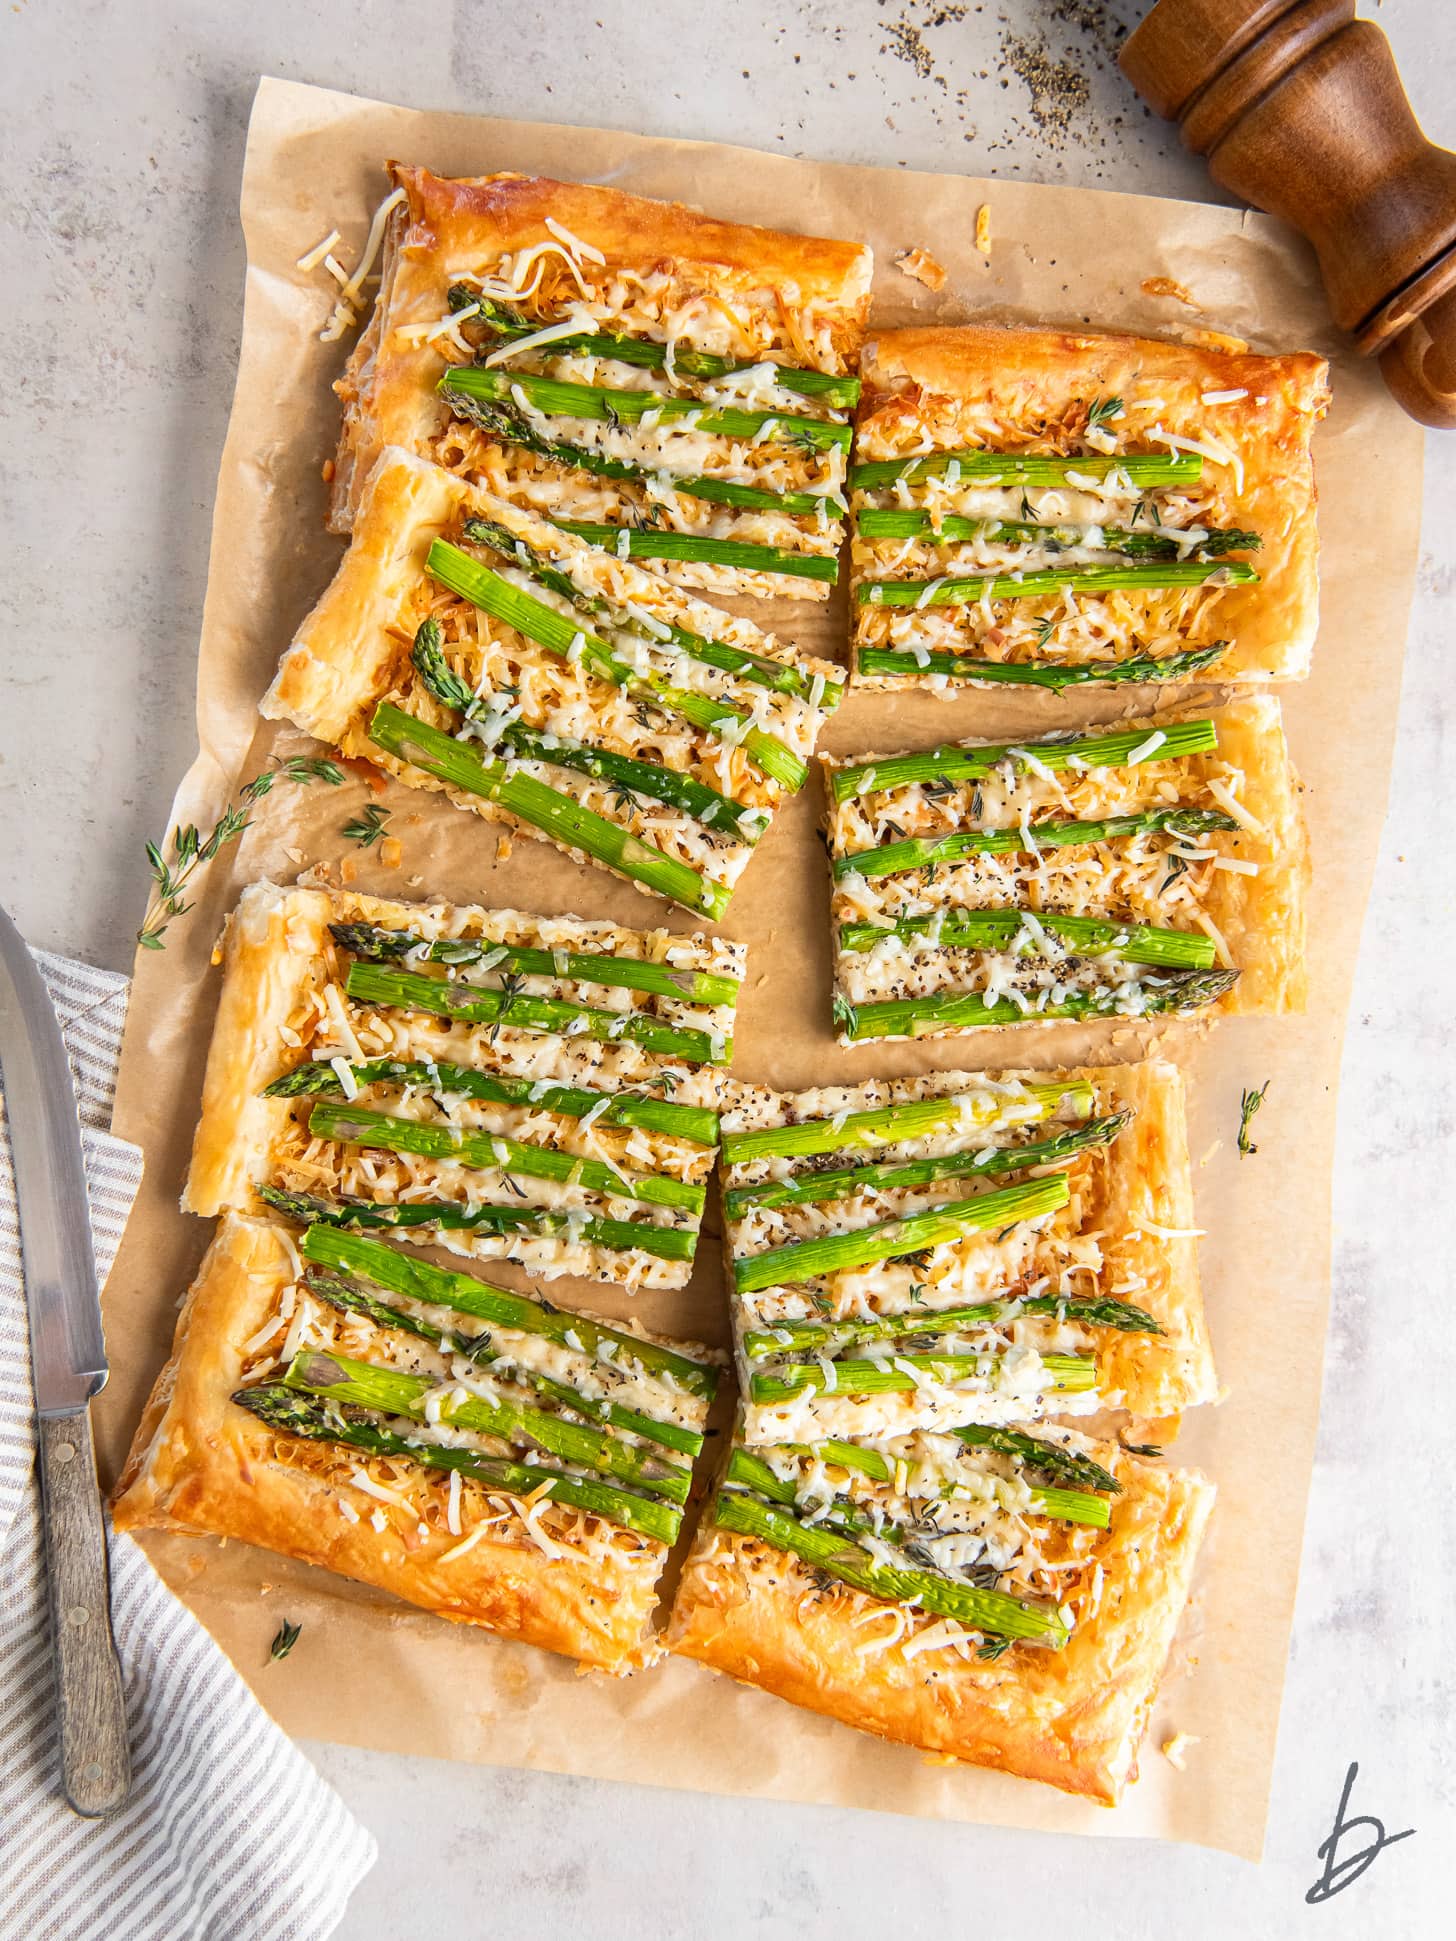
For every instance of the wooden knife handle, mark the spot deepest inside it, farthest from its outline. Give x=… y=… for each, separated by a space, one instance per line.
x=90 y=1708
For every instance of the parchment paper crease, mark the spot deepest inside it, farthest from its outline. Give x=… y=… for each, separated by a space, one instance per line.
x=370 y=1672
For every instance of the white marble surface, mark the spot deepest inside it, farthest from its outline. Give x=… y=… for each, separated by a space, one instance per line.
x=121 y=137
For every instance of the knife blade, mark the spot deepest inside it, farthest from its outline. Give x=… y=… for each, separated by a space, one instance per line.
x=68 y=1359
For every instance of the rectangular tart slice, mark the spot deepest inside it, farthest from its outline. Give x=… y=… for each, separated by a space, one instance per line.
x=658 y=380
x=493 y=1459
x=919 y=1253
x=1054 y=509
x=1156 y=867
x=991 y=1596
x=534 y=1089
x=470 y=647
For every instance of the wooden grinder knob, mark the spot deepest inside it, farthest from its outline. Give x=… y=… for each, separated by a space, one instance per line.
x=1299 y=109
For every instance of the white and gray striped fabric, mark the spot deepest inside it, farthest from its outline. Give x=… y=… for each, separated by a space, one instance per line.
x=229 y=1834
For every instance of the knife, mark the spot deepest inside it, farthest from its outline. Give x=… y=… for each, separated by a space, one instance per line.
x=68 y=1362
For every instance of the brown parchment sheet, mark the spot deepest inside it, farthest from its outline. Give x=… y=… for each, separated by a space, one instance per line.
x=371 y=1672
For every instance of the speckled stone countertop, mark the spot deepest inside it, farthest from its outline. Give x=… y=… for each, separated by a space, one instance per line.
x=121 y=133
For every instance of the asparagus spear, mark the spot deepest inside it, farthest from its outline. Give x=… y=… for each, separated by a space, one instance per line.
x=622 y=1236
x=555 y=397
x=951 y=530
x=507 y=324
x=985 y=1610
x=1049 y=1457
x=639 y=542
x=1130 y=943
x=390 y=1391
x=493 y=1152
x=553 y=631
x=1065 y=1505
x=828 y=1337
x=1022 y=468
x=920 y=852
x=291 y=1412
x=838 y=1253
x=691 y=1122
x=369 y=941
x=481 y=1348
x=957 y=762
x=886 y=1125
x=923 y=1017
x=813 y=1188
x=954 y=592
x=762 y=670
x=432 y=1286
x=1048 y=674
x=629 y=776
x=1066 y=1375
x=557 y=815
x=473 y=1004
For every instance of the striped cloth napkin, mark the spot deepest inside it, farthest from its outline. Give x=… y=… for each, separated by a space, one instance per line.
x=229 y=1833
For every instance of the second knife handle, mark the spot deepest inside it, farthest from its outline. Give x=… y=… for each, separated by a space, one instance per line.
x=90 y=1706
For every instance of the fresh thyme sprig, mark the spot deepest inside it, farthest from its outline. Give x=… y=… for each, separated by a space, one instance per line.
x=1101 y=410
x=1249 y=1104
x=190 y=849
x=285 y=1638
x=367 y=827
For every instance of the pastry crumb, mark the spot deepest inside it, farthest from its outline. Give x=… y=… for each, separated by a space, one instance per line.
x=920 y=264
x=1216 y=340
x=348 y=870
x=391 y=852
x=1217 y=1146
x=502 y=848
x=1164 y=286
x=326 y=471
x=983 y=229
x=1174 y=1750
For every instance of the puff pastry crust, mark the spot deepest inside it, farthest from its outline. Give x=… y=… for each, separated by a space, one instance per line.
x=651 y=269
x=201 y=1464
x=1025 y=392
x=1072 y=1718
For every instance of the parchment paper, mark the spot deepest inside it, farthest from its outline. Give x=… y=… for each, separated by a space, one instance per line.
x=368 y=1671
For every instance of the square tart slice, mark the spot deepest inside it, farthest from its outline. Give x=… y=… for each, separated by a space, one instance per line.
x=469 y=647
x=919 y=1253
x=488 y=1457
x=665 y=382
x=1040 y=507
x=1160 y=867
x=534 y=1089
x=992 y=1596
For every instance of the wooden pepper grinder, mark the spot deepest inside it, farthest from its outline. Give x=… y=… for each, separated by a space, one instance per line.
x=1299 y=109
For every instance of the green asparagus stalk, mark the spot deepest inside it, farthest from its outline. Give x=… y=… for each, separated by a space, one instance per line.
x=556 y=814
x=920 y=852
x=513 y=427
x=508 y=603
x=1049 y=1457
x=376 y=945
x=691 y=1122
x=390 y=1391
x=1130 y=943
x=985 y=1610
x=1020 y=468
x=554 y=397
x=828 y=1337
x=639 y=542
x=955 y=762
x=1064 y=1505
x=481 y=1348
x=507 y=324
x=813 y=1188
x=493 y=1152
x=474 y=1004
x=1066 y=1375
x=954 y=592
x=292 y=1412
x=951 y=530
x=838 y=1253
x=887 y=1125
x=922 y=1017
x=762 y=670
x=619 y=1236
x=627 y=775
x=431 y=1286
x=1043 y=673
